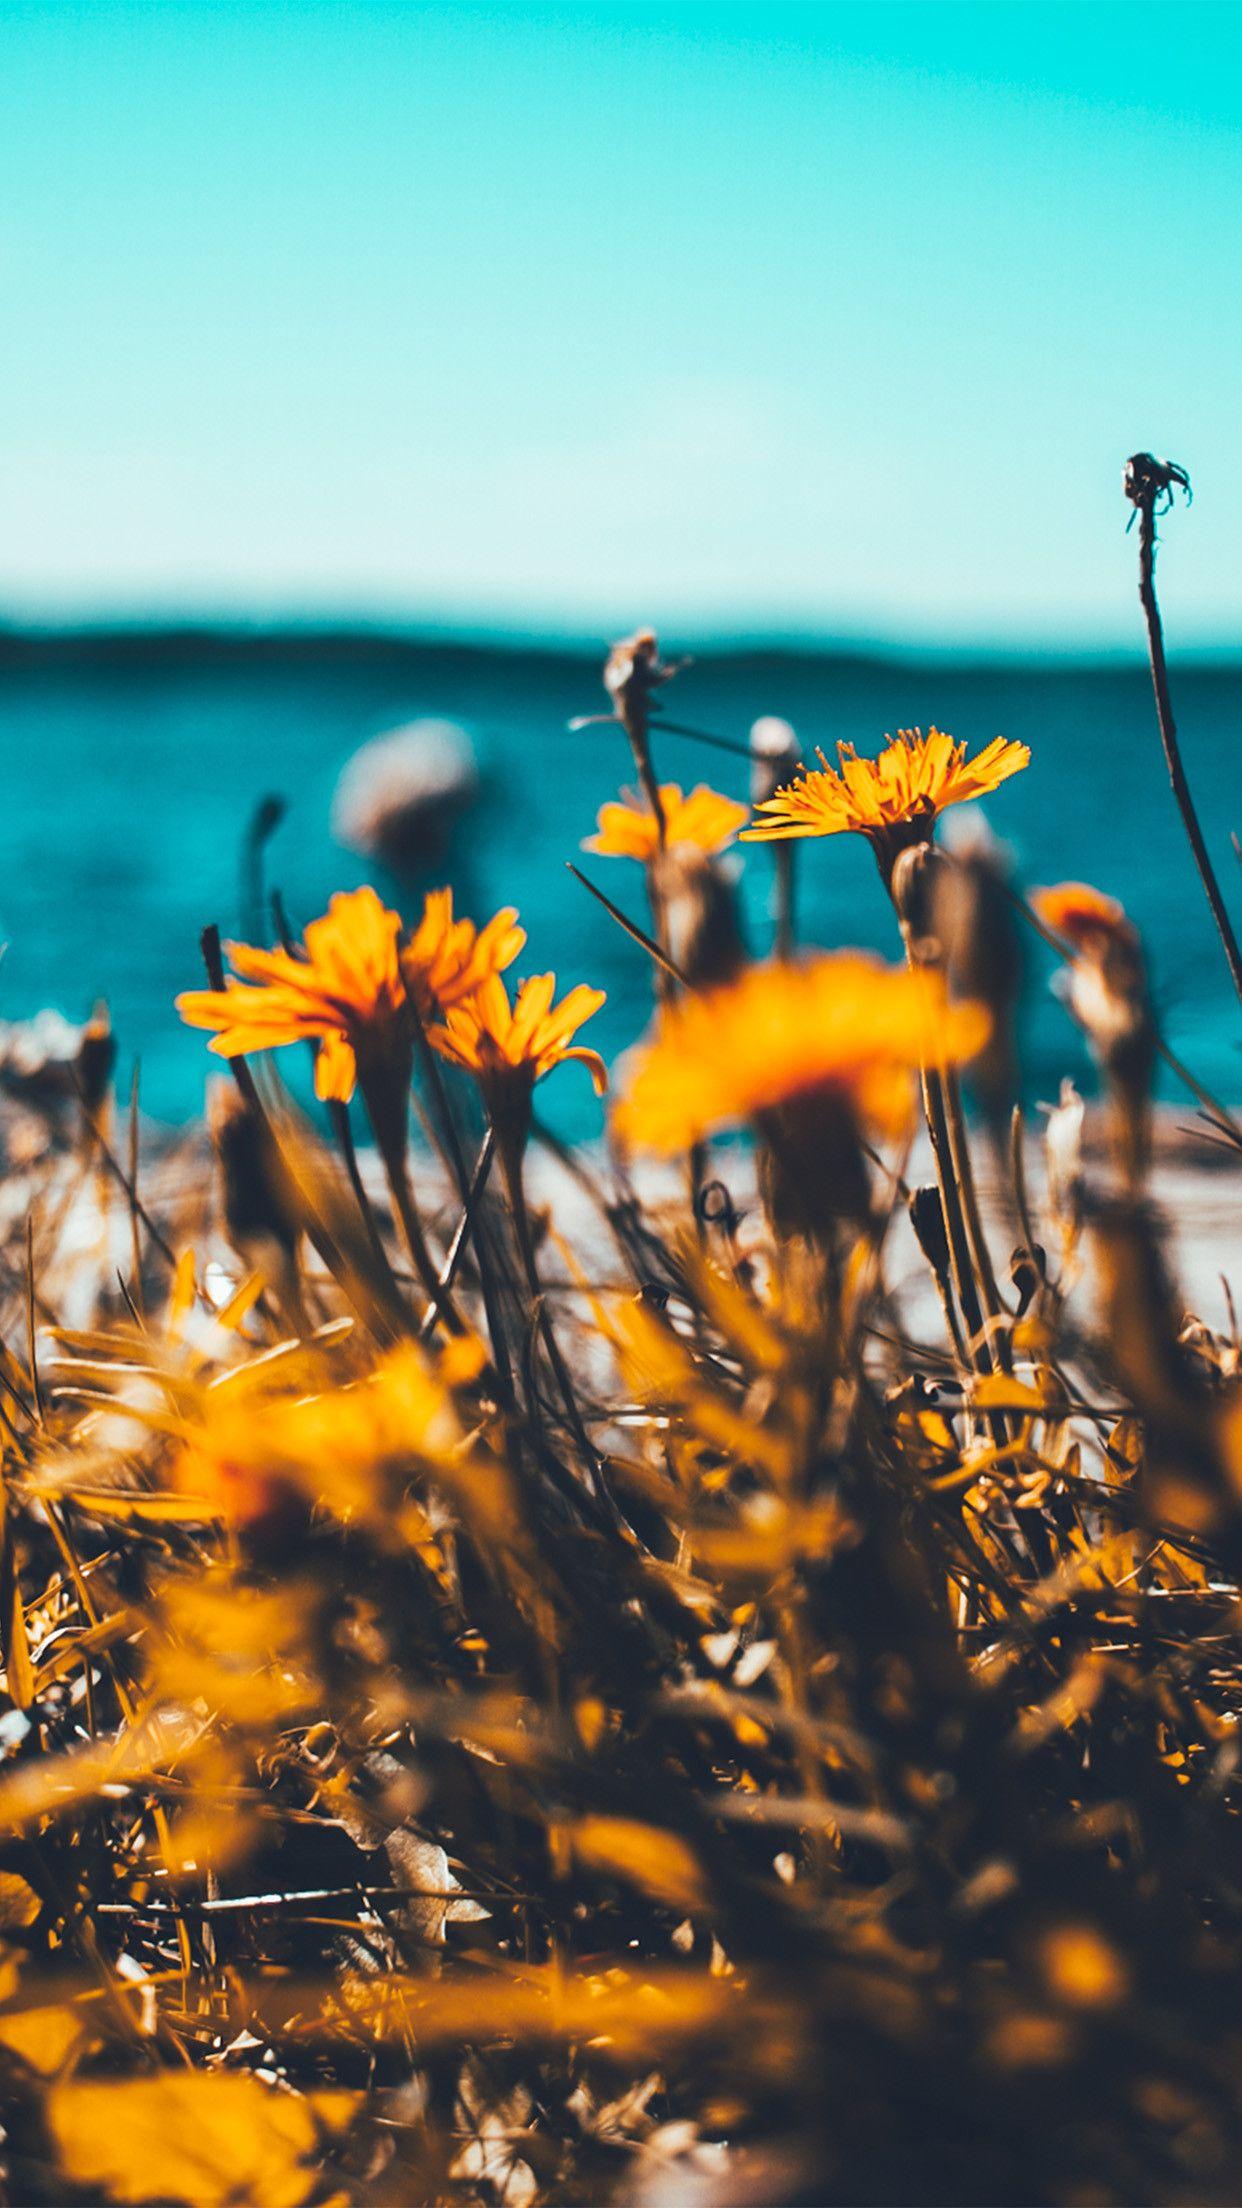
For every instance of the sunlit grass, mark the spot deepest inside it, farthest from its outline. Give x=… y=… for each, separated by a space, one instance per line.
x=627 y=1701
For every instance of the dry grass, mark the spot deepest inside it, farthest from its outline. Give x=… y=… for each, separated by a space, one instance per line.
x=624 y=1720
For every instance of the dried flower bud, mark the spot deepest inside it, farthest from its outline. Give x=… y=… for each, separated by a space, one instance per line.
x=1109 y=998
x=96 y=1060
x=913 y=884
x=1026 y=1271
x=812 y=1170
x=1063 y=1154
x=1108 y=994
x=974 y=922
x=1185 y=1474
x=697 y=900
x=775 y=754
x=1148 y=481
x=927 y=1219
x=255 y=1199
x=632 y=671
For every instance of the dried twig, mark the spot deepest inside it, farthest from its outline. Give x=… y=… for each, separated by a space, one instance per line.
x=1150 y=485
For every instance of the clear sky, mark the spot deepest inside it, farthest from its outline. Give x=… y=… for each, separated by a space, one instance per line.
x=823 y=318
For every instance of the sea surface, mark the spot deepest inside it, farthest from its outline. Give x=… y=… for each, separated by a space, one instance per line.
x=133 y=764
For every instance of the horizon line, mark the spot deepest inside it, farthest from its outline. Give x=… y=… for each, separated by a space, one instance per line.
x=715 y=640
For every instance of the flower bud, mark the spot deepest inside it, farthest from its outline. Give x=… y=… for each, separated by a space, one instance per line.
x=255 y=1198
x=775 y=755
x=96 y=1060
x=1063 y=1156
x=812 y=1171
x=973 y=920
x=1108 y=994
x=696 y=898
x=927 y=1219
x=632 y=671
x=913 y=885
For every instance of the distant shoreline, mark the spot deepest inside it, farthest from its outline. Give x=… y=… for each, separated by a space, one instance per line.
x=114 y=644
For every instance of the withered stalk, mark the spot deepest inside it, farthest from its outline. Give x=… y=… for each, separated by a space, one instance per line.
x=1147 y=482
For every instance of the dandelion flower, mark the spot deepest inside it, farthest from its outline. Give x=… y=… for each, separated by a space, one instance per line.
x=513 y=1045
x=446 y=959
x=346 y=994
x=892 y=800
x=843 y=1026
x=628 y=828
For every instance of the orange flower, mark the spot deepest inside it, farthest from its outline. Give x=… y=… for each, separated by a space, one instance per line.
x=894 y=799
x=1085 y=916
x=705 y=819
x=843 y=1024
x=445 y=959
x=346 y=994
x=516 y=1044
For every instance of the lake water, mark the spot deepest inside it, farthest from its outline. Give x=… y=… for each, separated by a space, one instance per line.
x=132 y=768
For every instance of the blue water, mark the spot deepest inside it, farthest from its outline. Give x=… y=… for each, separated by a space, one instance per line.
x=131 y=773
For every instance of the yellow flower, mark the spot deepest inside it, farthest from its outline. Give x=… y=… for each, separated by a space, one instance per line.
x=628 y=830
x=843 y=1024
x=346 y=994
x=887 y=798
x=445 y=959
x=519 y=1042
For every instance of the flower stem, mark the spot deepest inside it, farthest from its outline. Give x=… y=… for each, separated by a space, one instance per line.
x=339 y=1114
x=511 y=1144
x=387 y=1119
x=1147 y=481
x=471 y=1201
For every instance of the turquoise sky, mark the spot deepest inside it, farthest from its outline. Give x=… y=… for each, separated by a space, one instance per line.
x=827 y=318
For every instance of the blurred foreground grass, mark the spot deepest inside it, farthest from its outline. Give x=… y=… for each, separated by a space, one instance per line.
x=508 y=1707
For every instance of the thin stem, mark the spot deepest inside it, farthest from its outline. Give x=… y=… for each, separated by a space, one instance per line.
x=635 y=719
x=785 y=857
x=471 y=1195
x=128 y=1181
x=468 y=1218
x=132 y=1192
x=369 y=1306
x=1021 y=1194
x=1146 y=487
x=702 y=736
x=511 y=1147
x=339 y=1114
x=653 y=950
x=397 y=1175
